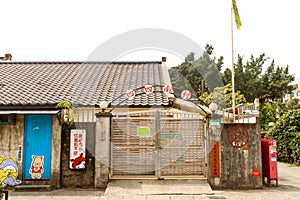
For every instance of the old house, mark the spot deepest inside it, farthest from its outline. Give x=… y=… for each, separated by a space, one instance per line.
x=31 y=128
x=125 y=123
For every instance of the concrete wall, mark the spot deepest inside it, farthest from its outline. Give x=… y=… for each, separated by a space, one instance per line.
x=79 y=178
x=56 y=152
x=12 y=135
x=240 y=163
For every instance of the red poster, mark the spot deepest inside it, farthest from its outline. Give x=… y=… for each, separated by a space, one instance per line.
x=77 y=149
x=215 y=159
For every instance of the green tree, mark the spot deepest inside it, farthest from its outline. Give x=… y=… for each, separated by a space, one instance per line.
x=276 y=82
x=287 y=134
x=271 y=111
x=251 y=81
x=189 y=74
x=223 y=97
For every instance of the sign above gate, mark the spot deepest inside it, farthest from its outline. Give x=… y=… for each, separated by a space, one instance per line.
x=148 y=89
x=167 y=89
x=186 y=94
x=130 y=94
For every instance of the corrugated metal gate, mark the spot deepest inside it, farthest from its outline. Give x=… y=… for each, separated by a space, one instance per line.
x=157 y=144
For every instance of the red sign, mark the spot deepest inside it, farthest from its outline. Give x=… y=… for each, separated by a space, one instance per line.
x=186 y=94
x=215 y=159
x=238 y=136
x=130 y=94
x=255 y=173
x=167 y=89
x=77 y=149
x=148 y=89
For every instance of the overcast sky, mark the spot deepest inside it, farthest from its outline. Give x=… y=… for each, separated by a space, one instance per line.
x=71 y=30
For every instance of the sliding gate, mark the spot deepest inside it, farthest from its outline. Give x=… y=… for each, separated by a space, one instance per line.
x=157 y=144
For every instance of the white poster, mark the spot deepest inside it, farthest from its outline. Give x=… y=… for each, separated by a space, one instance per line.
x=77 y=149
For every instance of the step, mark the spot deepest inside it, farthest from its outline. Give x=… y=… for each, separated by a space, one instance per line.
x=30 y=188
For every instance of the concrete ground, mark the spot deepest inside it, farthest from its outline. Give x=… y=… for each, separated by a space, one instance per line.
x=289 y=188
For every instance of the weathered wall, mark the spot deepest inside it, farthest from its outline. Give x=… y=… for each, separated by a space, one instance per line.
x=234 y=156
x=56 y=152
x=79 y=178
x=11 y=136
x=241 y=160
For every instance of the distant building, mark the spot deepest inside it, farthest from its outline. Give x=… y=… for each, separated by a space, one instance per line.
x=295 y=94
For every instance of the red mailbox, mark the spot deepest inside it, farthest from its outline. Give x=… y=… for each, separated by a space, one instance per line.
x=269 y=160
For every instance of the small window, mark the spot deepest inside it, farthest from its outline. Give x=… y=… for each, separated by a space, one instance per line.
x=4 y=119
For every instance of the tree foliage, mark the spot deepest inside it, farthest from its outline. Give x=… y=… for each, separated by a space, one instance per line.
x=223 y=97
x=276 y=82
x=255 y=78
x=287 y=134
x=252 y=81
x=189 y=74
x=271 y=111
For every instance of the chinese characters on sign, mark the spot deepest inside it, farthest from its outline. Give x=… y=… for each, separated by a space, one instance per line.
x=77 y=149
x=215 y=159
x=167 y=89
x=148 y=89
x=130 y=94
x=186 y=94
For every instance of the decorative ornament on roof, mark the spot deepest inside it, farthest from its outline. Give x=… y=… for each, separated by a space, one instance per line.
x=130 y=94
x=148 y=89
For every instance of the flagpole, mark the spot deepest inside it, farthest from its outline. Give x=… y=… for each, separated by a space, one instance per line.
x=232 y=62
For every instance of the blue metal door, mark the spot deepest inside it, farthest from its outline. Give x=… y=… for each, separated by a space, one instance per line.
x=37 y=147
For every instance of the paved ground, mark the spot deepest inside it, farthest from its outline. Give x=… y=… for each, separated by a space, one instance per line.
x=289 y=188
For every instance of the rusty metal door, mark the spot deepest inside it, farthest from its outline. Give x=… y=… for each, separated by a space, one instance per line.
x=157 y=144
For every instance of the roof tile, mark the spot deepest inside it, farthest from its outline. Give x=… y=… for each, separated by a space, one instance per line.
x=82 y=83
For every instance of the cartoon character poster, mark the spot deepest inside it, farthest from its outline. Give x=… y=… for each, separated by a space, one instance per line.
x=8 y=172
x=37 y=167
x=77 y=149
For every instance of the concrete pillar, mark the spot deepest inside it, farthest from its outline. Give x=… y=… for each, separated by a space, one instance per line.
x=102 y=149
x=214 y=151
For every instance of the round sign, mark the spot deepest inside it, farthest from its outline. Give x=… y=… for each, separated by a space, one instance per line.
x=237 y=136
x=167 y=89
x=186 y=94
x=148 y=89
x=130 y=94
x=255 y=173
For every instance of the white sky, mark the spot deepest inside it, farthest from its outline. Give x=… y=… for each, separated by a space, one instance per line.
x=70 y=30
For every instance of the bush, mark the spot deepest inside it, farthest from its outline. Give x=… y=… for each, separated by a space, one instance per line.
x=1 y=193
x=287 y=133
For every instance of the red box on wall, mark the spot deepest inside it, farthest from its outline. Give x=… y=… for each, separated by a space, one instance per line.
x=269 y=160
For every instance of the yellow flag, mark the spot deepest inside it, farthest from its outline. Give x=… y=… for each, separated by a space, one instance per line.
x=236 y=15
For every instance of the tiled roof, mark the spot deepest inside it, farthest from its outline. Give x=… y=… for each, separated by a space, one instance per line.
x=82 y=83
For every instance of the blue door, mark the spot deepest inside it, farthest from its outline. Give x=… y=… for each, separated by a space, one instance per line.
x=37 y=147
